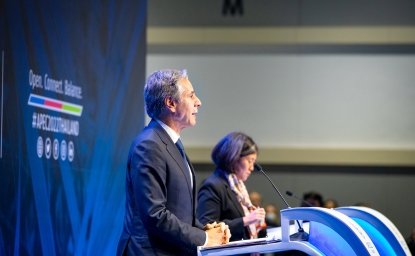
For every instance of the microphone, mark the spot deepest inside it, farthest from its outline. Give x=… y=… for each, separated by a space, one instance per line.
x=301 y=235
x=299 y=199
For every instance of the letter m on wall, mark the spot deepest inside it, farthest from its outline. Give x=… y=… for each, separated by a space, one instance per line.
x=232 y=7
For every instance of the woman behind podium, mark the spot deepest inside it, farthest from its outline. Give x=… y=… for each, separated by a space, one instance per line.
x=223 y=195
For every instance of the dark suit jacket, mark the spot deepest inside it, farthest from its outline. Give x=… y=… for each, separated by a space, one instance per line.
x=217 y=202
x=160 y=216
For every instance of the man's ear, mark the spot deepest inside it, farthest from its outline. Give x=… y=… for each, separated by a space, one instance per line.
x=170 y=103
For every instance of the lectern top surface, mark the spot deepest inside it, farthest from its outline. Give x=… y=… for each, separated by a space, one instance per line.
x=256 y=241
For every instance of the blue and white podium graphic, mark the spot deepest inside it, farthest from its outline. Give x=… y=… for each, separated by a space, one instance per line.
x=72 y=76
x=384 y=234
x=342 y=232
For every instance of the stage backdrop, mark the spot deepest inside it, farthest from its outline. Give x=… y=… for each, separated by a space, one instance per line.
x=72 y=75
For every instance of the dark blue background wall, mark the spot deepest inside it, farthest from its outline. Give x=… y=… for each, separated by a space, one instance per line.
x=72 y=74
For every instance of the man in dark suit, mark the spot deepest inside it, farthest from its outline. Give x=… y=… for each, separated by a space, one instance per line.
x=160 y=184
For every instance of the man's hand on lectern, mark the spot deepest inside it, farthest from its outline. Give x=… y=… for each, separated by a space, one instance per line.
x=218 y=233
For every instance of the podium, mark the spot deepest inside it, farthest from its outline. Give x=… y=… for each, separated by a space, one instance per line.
x=342 y=231
x=384 y=234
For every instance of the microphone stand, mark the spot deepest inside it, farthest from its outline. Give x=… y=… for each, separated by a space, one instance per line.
x=301 y=235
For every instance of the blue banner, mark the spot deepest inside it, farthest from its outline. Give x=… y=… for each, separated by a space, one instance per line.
x=72 y=76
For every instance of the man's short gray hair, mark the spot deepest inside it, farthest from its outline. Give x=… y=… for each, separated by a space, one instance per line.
x=160 y=85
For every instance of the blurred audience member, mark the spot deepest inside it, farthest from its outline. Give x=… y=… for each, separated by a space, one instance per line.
x=312 y=198
x=272 y=216
x=330 y=203
x=256 y=198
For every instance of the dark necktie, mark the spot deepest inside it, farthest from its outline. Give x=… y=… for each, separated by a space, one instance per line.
x=179 y=145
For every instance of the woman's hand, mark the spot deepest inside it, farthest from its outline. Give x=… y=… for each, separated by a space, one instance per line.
x=254 y=216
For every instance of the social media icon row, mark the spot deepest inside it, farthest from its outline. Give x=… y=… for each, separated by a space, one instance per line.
x=55 y=149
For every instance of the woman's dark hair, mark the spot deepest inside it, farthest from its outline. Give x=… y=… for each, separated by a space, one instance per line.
x=231 y=148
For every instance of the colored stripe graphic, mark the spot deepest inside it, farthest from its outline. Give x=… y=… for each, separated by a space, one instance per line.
x=55 y=105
